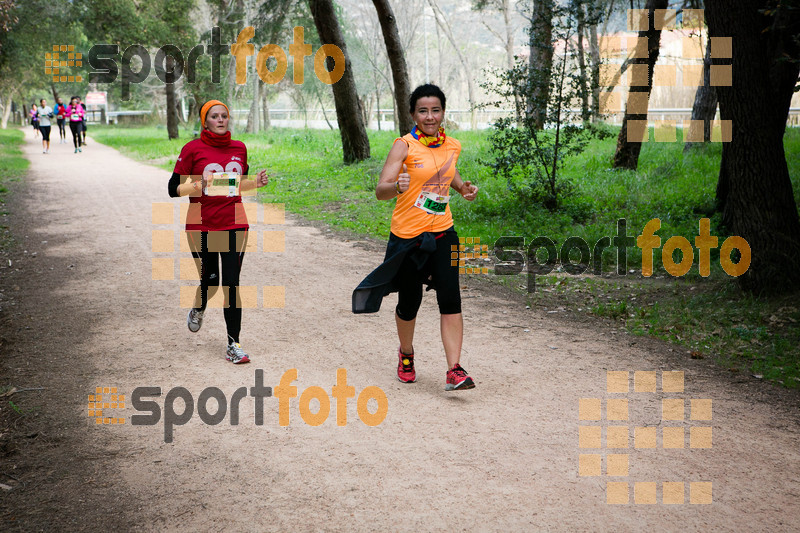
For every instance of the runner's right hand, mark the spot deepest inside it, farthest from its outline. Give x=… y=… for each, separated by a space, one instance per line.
x=403 y=180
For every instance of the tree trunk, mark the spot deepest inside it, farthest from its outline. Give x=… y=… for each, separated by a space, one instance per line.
x=705 y=100
x=540 y=45
x=378 y=105
x=253 y=119
x=355 y=143
x=583 y=88
x=191 y=115
x=505 y=7
x=594 y=47
x=7 y=109
x=54 y=91
x=627 y=153
x=397 y=60
x=324 y=113
x=754 y=192
x=172 y=104
x=231 y=85
x=265 y=107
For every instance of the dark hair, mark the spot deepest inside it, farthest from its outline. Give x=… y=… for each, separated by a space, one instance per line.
x=425 y=90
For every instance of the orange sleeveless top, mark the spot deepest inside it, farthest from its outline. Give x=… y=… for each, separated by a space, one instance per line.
x=431 y=170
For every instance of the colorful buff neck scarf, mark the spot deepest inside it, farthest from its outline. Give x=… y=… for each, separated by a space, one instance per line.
x=430 y=142
x=214 y=139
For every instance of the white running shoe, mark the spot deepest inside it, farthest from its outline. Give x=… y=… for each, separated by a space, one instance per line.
x=194 y=320
x=235 y=354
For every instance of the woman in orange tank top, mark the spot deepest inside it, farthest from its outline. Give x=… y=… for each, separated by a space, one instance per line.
x=419 y=171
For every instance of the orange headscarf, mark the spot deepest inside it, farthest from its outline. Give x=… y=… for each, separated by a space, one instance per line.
x=208 y=105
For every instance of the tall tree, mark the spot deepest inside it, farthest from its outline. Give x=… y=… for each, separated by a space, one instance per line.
x=627 y=153
x=705 y=100
x=754 y=192
x=174 y=26
x=355 y=143
x=540 y=59
x=596 y=12
x=397 y=60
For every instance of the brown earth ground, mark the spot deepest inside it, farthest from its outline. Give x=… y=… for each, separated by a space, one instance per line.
x=80 y=310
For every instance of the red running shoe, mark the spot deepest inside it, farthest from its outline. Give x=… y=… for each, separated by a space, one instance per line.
x=405 y=367
x=457 y=379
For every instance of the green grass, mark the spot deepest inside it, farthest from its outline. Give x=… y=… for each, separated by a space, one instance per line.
x=12 y=167
x=12 y=164
x=709 y=316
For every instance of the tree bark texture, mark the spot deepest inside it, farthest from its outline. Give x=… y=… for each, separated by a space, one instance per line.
x=172 y=103
x=397 y=61
x=705 y=100
x=627 y=153
x=7 y=108
x=254 y=118
x=583 y=82
x=355 y=143
x=594 y=47
x=540 y=46
x=754 y=192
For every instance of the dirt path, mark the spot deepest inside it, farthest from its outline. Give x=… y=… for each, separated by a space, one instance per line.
x=85 y=312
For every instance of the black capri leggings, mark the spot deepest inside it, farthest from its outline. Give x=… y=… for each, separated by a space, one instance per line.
x=75 y=127
x=45 y=132
x=233 y=242
x=439 y=267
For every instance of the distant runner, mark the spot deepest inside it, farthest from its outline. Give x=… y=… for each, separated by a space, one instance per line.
x=74 y=114
x=45 y=114
x=59 y=111
x=83 y=121
x=34 y=114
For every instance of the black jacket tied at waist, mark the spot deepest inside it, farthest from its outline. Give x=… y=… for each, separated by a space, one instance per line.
x=367 y=297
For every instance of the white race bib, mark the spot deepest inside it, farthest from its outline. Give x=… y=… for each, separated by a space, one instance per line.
x=224 y=184
x=432 y=203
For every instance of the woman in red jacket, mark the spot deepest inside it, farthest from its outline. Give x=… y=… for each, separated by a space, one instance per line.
x=219 y=223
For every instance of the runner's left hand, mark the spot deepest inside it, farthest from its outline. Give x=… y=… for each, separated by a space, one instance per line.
x=471 y=191
x=262 y=178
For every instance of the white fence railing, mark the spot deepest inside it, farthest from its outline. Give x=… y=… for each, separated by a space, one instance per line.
x=384 y=119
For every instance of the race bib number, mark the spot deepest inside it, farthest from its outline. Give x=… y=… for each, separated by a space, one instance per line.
x=432 y=203
x=224 y=184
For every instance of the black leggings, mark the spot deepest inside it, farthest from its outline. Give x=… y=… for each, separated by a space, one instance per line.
x=439 y=267
x=45 y=130
x=75 y=127
x=234 y=241
x=61 y=129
